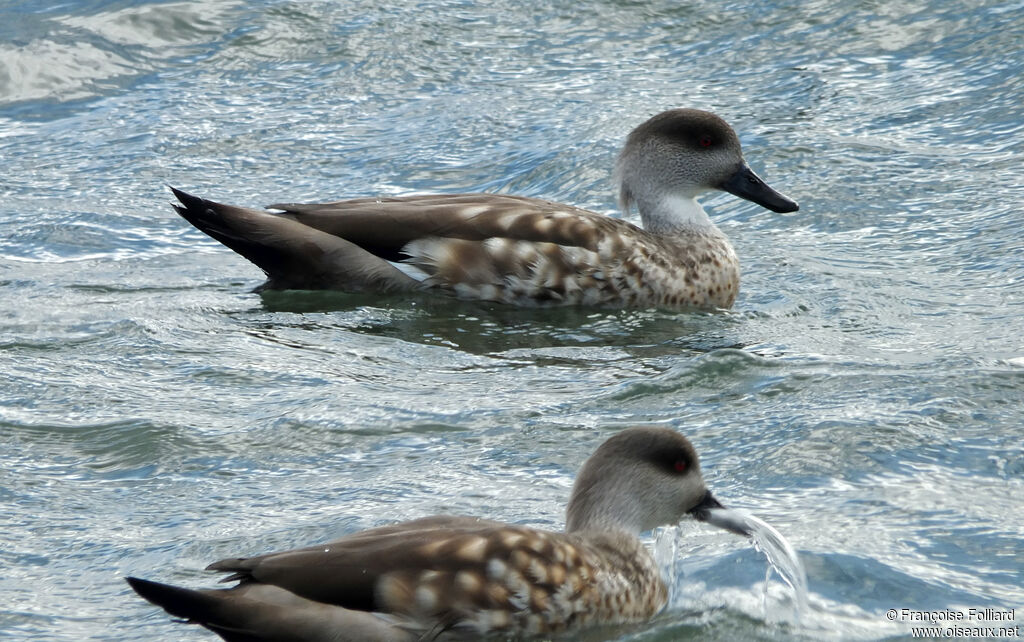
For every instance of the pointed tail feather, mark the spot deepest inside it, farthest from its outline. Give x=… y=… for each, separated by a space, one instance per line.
x=257 y=612
x=293 y=255
x=207 y=609
x=179 y=602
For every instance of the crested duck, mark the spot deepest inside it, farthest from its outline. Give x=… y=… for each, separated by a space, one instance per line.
x=519 y=250
x=462 y=577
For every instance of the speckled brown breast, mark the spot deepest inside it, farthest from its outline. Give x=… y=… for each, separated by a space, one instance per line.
x=526 y=582
x=618 y=265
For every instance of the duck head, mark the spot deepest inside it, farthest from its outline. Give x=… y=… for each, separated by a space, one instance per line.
x=642 y=478
x=679 y=154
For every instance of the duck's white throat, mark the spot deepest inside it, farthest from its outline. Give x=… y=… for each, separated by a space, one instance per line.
x=674 y=212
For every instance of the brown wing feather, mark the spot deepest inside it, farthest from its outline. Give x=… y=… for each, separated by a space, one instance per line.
x=384 y=226
x=469 y=574
x=346 y=571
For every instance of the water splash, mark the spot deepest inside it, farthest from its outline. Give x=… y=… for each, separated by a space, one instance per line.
x=666 y=549
x=782 y=558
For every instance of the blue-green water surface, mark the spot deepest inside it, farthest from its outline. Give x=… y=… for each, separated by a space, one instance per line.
x=865 y=396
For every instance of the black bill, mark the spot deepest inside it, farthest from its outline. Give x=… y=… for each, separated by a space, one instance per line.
x=748 y=185
x=710 y=510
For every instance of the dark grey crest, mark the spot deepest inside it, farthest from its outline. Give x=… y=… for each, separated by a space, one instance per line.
x=687 y=127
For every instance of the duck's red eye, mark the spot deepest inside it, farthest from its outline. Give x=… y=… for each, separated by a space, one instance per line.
x=679 y=466
x=704 y=141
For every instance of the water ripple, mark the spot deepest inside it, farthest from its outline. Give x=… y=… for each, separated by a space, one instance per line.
x=863 y=396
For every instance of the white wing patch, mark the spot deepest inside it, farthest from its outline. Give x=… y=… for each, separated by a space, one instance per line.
x=469 y=211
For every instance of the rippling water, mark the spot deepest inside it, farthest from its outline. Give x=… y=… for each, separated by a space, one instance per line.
x=865 y=396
